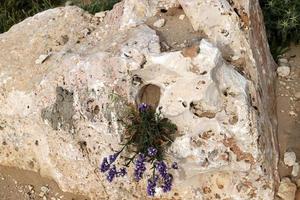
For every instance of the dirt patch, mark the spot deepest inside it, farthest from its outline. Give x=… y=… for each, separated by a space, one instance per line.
x=16 y=184
x=172 y=38
x=288 y=110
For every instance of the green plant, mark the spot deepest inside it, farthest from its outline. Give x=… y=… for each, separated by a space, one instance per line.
x=282 y=20
x=14 y=11
x=147 y=134
x=98 y=5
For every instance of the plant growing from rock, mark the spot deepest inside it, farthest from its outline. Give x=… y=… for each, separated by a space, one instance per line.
x=147 y=135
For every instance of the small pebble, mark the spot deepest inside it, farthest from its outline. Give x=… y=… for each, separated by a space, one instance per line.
x=283 y=61
x=42 y=58
x=289 y=158
x=287 y=189
x=159 y=23
x=100 y=14
x=292 y=113
x=295 y=170
x=283 y=71
x=181 y=17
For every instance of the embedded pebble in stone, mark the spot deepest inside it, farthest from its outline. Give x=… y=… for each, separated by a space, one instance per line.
x=287 y=189
x=295 y=170
x=181 y=17
x=159 y=23
x=283 y=71
x=289 y=158
x=42 y=58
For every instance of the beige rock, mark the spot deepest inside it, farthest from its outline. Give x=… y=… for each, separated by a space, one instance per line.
x=159 y=23
x=283 y=71
x=295 y=171
x=225 y=146
x=287 y=189
x=289 y=158
x=181 y=17
x=42 y=58
x=101 y=14
x=283 y=61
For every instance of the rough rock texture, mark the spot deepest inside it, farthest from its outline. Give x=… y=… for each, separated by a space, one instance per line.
x=57 y=116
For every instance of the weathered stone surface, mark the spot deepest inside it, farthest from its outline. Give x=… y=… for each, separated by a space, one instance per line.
x=57 y=117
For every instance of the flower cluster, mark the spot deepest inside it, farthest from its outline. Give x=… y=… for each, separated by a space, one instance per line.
x=110 y=168
x=140 y=167
x=147 y=131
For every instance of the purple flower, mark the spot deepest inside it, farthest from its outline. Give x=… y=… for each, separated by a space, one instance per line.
x=104 y=165
x=162 y=168
x=168 y=179
x=140 y=167
x=174 y=165
x=152 y=151
x=143 y=107
x=122 y=172
x=113 y=157
x=151 y=185
x=111 y=173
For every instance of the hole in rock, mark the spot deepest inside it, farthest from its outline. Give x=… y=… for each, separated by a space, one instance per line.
x=163 y=10
x=149 y=94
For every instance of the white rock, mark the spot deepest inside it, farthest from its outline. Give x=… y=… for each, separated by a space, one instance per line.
x=293 y=113
x=42 y=58
x=289 y=158
x=101 y=14
x=295 y=170
x=283 y=71
x=181 y=17
x=287 y=189
x=283 y=61
x=159 y=23
x=45 y=189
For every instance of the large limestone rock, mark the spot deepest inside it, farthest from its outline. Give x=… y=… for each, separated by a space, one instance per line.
x=57 y=116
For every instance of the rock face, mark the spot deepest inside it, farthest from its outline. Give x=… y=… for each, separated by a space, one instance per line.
x=57 y=116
